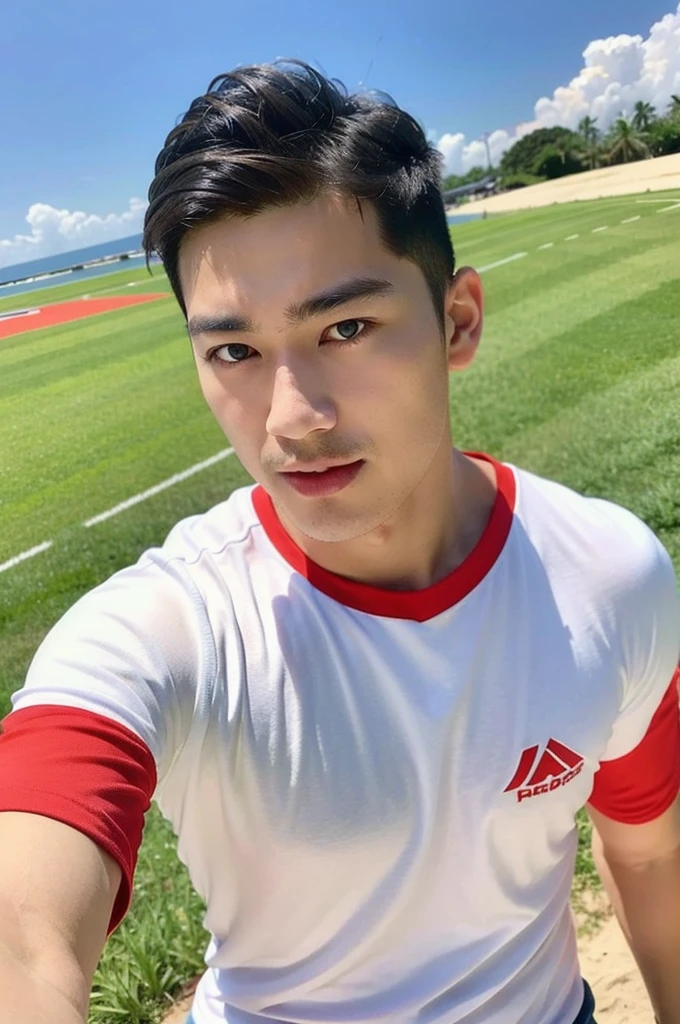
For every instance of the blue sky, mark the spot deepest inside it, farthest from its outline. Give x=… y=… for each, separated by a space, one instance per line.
x=90 y=88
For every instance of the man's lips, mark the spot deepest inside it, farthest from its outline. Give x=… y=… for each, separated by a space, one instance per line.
x=322 y=478
x=318 y=466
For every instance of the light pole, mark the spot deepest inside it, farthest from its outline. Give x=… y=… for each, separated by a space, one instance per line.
x=485 y=138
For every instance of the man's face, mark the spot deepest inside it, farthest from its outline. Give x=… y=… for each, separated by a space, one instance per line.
x=319 y=350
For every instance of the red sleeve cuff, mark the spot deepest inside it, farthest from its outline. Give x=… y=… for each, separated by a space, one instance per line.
x=643 y=784
x=84 y=770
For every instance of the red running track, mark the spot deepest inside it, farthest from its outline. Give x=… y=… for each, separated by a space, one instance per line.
x=64 y=312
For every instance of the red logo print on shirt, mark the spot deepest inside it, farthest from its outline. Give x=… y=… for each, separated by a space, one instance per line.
x=557 y=765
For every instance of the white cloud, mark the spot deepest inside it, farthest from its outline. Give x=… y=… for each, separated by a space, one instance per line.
x=616 y=73
x=54 y=231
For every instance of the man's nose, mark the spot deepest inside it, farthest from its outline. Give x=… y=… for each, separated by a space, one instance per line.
x=298 y=403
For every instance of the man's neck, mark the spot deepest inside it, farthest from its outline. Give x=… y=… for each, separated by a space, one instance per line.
x=432 y=534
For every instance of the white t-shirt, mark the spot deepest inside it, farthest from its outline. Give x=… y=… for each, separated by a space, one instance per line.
x=374 y=791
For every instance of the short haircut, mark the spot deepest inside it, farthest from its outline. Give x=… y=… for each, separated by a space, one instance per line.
x=273 y=135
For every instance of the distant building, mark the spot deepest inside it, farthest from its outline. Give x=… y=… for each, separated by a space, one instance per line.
x=483 y=187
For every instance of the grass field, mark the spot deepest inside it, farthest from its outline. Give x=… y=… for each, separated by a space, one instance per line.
x=578 y=378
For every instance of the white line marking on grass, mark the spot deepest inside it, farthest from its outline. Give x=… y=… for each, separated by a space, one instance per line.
x=546 y=245
x=25 y=554
x=500 y=263
x=603 y=228
x=667 y=209
x=629 y=220
x=107 y=291
x=571 y=238
x=664 y=200
x=170 y=482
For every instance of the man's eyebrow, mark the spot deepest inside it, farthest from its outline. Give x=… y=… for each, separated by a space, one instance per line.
x=339 y=295
x=217 y=324
x=316 y=305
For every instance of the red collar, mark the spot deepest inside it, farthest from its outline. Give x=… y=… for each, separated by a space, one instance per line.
x=418 y=605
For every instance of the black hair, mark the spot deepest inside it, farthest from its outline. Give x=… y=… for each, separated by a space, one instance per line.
x=278 y=134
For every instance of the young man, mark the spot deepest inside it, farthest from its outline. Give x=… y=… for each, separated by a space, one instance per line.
x=372 y=692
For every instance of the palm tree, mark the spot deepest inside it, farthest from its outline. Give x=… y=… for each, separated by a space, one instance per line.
x=674 y=108
x=644 y=114
x=627 y=143
x=587 y=127
x=590 y=134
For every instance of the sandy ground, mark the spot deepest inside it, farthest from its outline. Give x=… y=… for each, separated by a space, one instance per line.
x=178 y=1014
x=606 y=962
x=625 y=179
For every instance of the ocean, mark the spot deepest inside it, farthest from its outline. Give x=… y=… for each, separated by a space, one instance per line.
x=36 y=268
x=463 y=218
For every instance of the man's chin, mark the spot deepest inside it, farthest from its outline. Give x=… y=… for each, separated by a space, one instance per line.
x=325 y=524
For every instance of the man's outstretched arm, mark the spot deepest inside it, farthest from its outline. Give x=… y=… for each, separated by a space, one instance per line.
x=57 y=892
x=640 y=868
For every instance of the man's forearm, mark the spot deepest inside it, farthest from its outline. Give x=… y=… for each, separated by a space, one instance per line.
x=26 y=999
x=646 y=899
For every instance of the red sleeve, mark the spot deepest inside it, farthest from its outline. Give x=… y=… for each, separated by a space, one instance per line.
x=643 y=784
x=86 y=771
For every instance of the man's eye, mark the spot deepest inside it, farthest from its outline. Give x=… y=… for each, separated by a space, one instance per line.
x=346 y=330
x=232 y=353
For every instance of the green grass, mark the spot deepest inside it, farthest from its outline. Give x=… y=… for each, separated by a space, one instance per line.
x=161 y=943
x=577 y=378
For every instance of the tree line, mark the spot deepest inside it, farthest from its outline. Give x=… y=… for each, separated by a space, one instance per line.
x=549 y=153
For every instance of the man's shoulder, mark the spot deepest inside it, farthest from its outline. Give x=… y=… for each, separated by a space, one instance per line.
x=214 y=546
x=226 y=526
x=603 y=539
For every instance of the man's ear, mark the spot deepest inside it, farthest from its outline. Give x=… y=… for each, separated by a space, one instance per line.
x=464 y=307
